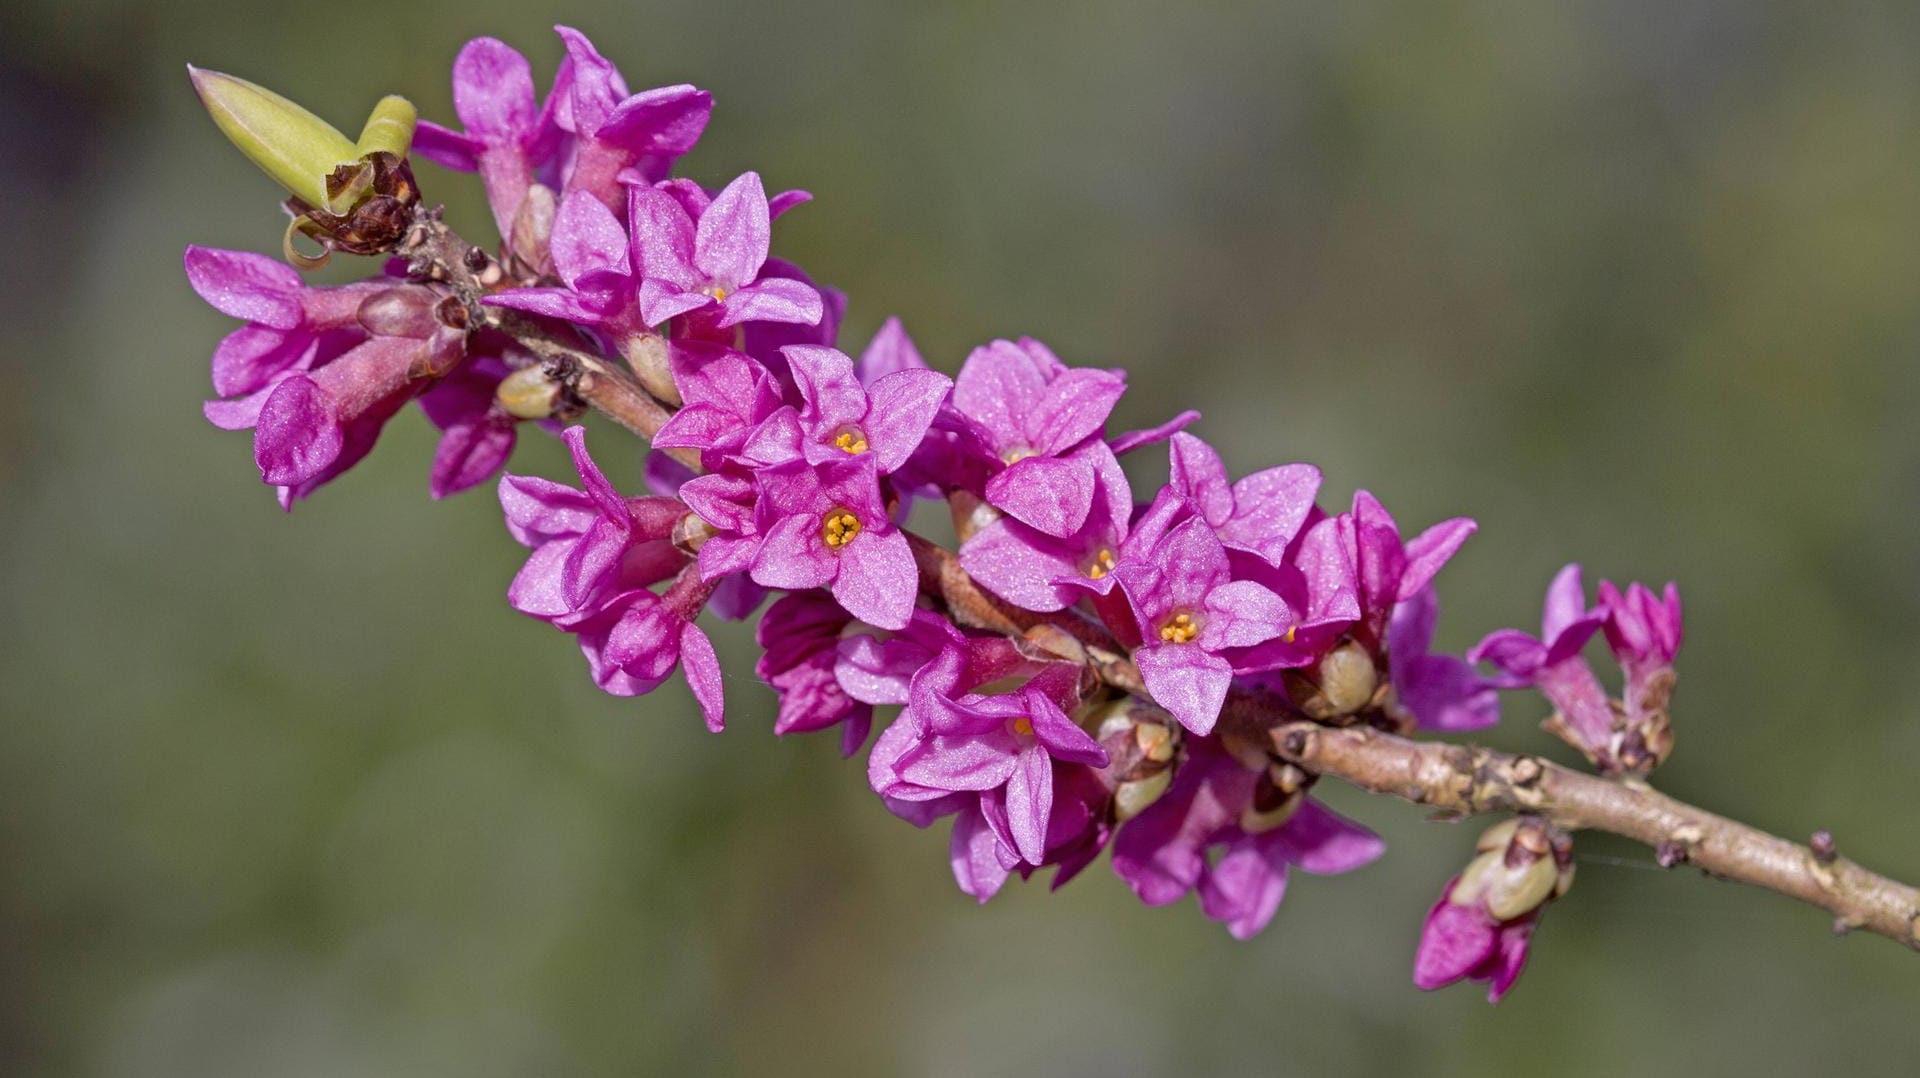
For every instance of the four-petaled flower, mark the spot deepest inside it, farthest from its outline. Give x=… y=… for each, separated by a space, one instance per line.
x=1552 y=661
x=999 y=747
x=1027 y=410
x=1190 y=609
x=825 y=526
x=713 y=265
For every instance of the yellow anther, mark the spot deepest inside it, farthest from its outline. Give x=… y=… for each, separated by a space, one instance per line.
x=1023 y=726
x=1291 y=632
x=1179 y=629
x=850 y=442
x=1101 y=565
x=718 y=293
x=839 y=528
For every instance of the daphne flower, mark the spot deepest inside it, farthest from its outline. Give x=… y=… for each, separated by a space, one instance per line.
x=1644 y=632
x=596 y=555
x=591 y=255
x=615 y=131
x=826 y=526
x=477 y=435
x=588 y=544
x=880 y=668
x=1001 y=747
x=1037 y=571
x=1261 y=513
x=1552 y=662
x=728 y=398
x=840 y=417
x=1027 y=410
x=715 y=263
x=508 y=136
x=1441 y=692
x=290 y=327
x=801 y=635
x=1480 y=928
x=1189 y=610
x=1218 y=802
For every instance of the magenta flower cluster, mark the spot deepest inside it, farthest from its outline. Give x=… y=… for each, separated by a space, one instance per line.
x=808 y=463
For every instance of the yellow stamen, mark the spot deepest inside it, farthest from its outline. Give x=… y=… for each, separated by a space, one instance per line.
x=1290 y=634
x=850 y=442
x=1023 y=726
x=839 y=528
x=1179 y=629
x=719 y=294
x=1101 y=566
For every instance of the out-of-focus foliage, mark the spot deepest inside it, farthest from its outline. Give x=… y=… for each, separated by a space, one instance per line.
x=1632 y=284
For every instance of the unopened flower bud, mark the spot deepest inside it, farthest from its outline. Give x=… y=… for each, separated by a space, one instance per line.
x=1480 y=928
x=405 y=311
x=1348 y=679
x=1131 y=798
x=1141 y=742
x=532 y=231
x=648 y=355
x=528 y=394
x=1155 y=740
x=1267 y=814
x=445 y=348
x=1515 y=892
x=1497 y=836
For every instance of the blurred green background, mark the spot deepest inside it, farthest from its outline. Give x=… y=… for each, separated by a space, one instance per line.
x=1633 y=284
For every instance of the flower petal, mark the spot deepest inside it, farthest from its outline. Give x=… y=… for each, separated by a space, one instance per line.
x=731 y=241
x=702 y=668
x=1187 y=681
x=877 y=581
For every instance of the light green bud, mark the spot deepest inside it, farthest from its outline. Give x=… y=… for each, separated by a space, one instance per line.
x=297 y=149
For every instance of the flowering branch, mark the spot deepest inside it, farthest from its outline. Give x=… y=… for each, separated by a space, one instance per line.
x=1083 y=672
x=1468 y=780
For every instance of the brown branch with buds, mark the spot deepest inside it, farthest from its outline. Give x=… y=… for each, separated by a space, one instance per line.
x=1467 y=780
x=1458 y=780
x=575 y=375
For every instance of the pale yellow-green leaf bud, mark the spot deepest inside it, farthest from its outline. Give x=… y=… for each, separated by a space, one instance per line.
x=293 y=146
x=389 y=128
x=300 y=151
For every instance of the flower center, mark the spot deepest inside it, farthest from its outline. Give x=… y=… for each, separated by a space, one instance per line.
x=839 y=528
x=1100 y=565
x=1179 y=629
x=718 y=292
x=850 y=441
x=1023 y=726
x=1018 y=454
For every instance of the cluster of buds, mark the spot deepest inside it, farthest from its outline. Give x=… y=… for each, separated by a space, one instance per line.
x=1482 y=926
x=1074 y=677
x=1627 y=735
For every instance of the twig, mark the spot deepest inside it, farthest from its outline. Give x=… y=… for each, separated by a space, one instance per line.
x=1467 y=780
x=435 y=252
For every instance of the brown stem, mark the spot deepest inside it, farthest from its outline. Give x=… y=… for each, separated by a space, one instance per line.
x=1466 y=780
x=435 y=252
